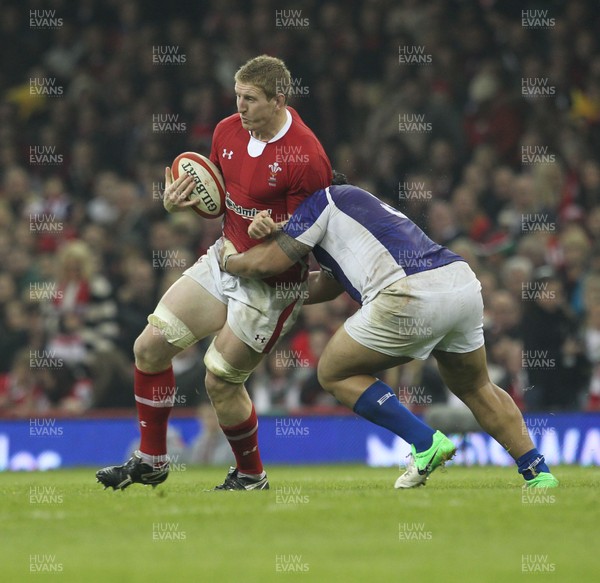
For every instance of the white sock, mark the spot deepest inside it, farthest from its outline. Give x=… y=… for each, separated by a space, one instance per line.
x=253 y=476
x=157 y=462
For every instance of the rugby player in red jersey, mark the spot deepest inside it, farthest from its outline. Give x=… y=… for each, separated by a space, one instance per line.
x=270 y=161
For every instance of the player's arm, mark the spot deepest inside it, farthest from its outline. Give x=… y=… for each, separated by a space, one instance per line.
x=322 y=287
x=264 y=260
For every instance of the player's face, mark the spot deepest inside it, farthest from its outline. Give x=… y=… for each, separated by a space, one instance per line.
x=256 y=111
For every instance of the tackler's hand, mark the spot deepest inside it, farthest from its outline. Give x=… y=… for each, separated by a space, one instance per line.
x=224 y=248
x=262 y=226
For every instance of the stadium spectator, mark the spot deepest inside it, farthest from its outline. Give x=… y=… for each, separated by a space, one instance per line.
x=441 y=223
x=472 y=220
x=136 y=297
x=516 y=274
x=553 y=355
x=40 y=385
x=274 y=387
x=502 y=185
x=504 y=316
x=15 y=332
x=79 y=288
x=575 y=247
x=18 y=388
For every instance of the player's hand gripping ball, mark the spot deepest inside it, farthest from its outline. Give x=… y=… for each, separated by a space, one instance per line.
x=194 y=181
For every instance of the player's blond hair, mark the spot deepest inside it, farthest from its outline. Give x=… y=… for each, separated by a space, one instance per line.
x=267 y=73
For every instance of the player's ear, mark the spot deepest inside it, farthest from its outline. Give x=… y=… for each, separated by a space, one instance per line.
x=280 y=100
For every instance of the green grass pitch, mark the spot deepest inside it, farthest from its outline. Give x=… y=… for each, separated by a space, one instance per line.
x=324 y=524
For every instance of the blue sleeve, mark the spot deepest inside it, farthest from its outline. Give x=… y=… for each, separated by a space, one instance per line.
x=308 y=222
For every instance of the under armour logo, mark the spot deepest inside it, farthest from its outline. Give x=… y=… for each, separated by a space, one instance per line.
x=227 y=154
x=262 y=339
x=143 y=424
x=249 y=451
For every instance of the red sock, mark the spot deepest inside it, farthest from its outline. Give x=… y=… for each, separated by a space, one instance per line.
x=154 y=394
x=243 y=439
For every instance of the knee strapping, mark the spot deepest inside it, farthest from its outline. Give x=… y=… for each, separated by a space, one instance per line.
x=174 y=330
x=217 y=365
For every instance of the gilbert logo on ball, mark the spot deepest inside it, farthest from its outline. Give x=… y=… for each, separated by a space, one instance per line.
x=209 y=191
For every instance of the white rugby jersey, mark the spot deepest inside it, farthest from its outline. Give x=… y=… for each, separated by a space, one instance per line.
x=363 y=242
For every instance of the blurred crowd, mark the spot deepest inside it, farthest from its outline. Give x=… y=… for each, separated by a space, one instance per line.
x=478 y=119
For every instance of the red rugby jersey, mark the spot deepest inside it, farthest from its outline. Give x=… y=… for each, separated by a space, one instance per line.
x=275 y=176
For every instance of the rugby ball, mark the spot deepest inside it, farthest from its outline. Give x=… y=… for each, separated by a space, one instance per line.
x=209 y=191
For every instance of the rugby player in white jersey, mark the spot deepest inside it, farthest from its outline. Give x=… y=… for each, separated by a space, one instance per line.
x=417 y=298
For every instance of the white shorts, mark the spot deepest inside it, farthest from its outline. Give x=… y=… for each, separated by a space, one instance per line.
x=440 y=309
x=257 y=313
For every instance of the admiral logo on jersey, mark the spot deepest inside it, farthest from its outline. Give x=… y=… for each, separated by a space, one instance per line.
x=248 y=214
